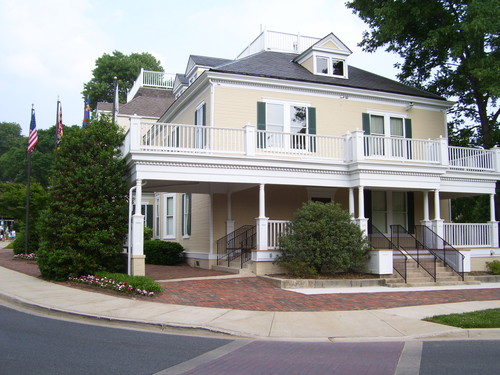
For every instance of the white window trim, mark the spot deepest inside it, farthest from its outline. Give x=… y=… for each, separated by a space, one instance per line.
x=166 y=236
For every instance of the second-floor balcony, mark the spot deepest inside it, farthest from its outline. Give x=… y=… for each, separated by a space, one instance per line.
x=161 y=138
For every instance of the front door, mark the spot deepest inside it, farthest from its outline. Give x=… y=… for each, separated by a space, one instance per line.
x=389 y=208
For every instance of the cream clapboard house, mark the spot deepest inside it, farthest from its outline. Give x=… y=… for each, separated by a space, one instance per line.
x=247 y=141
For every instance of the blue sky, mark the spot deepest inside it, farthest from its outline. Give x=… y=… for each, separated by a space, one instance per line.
x=48 y=48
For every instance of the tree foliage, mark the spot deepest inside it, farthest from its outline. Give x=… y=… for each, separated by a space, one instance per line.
x=323 y=239
x=14 y=160
x=10 y=136
x=13 y=205
x=86 y=222
x=125 y=68
x=449 y=47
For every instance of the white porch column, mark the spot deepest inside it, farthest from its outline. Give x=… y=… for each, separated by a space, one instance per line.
x=135 y=133
x=362 y=220
x=426 y=221
x=493 y=223
x=351 y=201
x=262 y=221
x=138 y=264
x=437 y=223
x=229 y=221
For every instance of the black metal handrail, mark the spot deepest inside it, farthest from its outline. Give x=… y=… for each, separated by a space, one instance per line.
x=378 y=240
x=424 y=257
x=235 y=244
x=450 y=256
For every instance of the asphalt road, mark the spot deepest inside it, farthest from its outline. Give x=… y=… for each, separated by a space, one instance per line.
x=33 y=344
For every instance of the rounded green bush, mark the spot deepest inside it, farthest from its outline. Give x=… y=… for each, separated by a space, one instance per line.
x=323 y=238
x=163 y=252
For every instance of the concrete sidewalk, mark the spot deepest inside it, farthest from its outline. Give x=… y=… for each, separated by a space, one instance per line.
x=402 y=323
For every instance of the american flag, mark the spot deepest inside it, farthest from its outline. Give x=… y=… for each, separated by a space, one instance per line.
x=59 y=131
x=33 y=135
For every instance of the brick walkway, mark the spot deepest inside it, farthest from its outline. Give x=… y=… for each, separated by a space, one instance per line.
x=255 y=294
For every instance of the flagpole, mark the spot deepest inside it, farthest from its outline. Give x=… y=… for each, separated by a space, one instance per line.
x=115 y=99
x=57 y=121
x=28 y=188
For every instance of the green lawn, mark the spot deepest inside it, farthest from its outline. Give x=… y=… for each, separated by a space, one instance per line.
x=477 y=319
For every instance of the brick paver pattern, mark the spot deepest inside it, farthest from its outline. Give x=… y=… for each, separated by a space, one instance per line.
x=258 y=295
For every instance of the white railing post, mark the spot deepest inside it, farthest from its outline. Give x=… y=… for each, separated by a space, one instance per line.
x=135 y=133
x=357 y=145
x=496 y=158
x=250 y=140
x=493 y=233
x=443 y=151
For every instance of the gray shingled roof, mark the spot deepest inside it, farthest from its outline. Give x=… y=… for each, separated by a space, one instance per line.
x=208 y=61
x=149 y=102
x=280 y=65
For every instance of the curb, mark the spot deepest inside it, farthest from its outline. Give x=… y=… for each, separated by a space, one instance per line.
x=319 y=283
x=119 y=322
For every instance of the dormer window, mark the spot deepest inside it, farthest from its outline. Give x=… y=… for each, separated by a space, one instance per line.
x=330 y=66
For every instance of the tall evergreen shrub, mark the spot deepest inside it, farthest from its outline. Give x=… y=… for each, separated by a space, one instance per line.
x=83 y=229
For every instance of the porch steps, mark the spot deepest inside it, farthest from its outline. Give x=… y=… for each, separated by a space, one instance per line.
x=416 y=276
x=234 y=268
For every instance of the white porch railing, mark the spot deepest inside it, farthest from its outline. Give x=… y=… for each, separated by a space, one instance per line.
x=275 y=228
x=392 y=148
x=467 y=235
x=191 y=139
x=278 y=41
x=352 y=147
x=290 y=144
x=471 y=158
x=148 y=78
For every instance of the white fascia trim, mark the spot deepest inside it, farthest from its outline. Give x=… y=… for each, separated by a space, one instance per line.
x=192 y=93
x=330 y=90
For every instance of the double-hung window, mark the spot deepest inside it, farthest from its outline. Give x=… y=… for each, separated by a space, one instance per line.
x=389 y=135
x=200 y=130
x=157 y=217
x=169 y=226
x=186 y=215
x=288 y=126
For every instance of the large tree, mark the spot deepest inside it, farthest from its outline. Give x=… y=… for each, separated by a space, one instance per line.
x=449 y=47
x=10 y=136
x=14 y=159
x=125 y=68
x=86 y=222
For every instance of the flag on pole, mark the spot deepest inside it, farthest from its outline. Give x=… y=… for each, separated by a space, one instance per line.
x=33 y=134
x=86 y=113
x=59 y=126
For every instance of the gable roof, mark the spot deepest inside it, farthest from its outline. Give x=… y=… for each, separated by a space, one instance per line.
x=280 y=65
